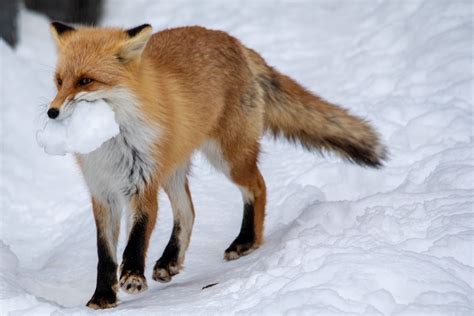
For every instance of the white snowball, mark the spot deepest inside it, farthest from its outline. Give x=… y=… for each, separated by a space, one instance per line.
x=90 y=125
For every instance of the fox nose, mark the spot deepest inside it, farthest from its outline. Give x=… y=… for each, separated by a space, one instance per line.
x=53 y=113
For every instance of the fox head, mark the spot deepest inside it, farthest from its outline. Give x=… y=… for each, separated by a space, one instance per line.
x=92 y=62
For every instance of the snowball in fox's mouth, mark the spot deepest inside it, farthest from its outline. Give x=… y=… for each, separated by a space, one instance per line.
x=90 y=125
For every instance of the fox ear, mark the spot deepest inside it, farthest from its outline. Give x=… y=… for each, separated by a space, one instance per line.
x=58 y=29
x=133 y=46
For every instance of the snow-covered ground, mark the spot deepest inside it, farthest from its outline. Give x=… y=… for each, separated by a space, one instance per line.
x=340 y=239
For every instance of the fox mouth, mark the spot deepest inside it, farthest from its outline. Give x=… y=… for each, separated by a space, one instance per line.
x=68 y=108
x=121 y=101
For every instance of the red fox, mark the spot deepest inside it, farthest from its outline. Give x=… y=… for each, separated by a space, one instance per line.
x=175 y=92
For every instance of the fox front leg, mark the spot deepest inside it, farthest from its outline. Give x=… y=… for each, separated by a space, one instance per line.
x=144 y=207
x=107 y=219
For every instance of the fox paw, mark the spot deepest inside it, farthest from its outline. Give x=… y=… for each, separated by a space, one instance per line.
x=103 y=300
x=237 y=250
x=162 y=272
x=133 y=282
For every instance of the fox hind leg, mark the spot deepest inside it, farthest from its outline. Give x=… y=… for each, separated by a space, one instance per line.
x=250 y=236
x=241 y=168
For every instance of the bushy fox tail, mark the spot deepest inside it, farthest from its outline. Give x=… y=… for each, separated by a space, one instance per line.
x=302 y=117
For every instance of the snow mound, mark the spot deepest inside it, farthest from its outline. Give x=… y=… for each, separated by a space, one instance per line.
x=90 y=125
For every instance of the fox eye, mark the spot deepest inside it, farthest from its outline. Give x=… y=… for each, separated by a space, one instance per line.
x=84 y=81
x=59 y=81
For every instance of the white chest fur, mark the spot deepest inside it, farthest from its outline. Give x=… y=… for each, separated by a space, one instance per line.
x=123 y=165
x=118 y=167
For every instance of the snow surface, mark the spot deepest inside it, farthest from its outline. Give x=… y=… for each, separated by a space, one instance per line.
x=340 y=239
x=86 y=129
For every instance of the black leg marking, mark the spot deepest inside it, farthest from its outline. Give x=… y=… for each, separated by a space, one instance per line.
x=134 y=254
x=105 y=292
x=132 y=279
x=244 y=242
x=171 y=251
x=168 y=264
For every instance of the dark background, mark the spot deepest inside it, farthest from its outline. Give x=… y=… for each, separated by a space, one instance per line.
x=70 y=11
